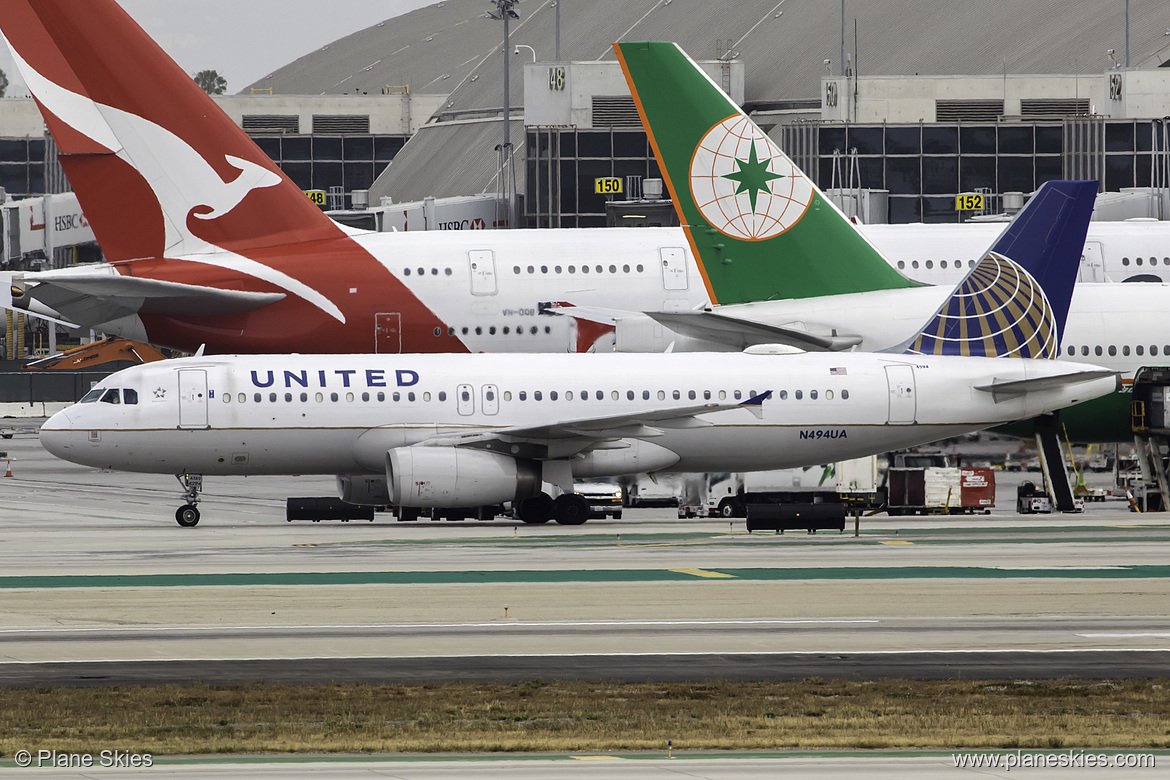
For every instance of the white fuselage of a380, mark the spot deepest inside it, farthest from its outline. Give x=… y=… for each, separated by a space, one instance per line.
x=423 y=422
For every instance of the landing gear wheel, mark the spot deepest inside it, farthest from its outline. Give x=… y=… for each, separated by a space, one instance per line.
x=570 y=509
x=535 y=510
x=187 y=516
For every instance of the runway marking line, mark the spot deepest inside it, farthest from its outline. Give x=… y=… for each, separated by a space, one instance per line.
x=598 y=758
x=493 y=576
x=408 y=626
x=1142 y=635
x=899 y=541
x=705 y=573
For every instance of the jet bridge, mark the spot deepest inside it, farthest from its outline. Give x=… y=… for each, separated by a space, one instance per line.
x=1150 y=416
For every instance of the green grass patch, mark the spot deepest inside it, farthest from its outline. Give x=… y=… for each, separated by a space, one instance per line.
x=579 y=716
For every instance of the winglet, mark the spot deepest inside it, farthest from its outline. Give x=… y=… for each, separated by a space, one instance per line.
x=756 y=402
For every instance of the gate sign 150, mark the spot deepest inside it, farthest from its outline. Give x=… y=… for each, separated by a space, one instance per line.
x=611 y=185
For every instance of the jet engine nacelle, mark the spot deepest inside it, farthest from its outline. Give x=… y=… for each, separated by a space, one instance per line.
x=449 y=477
x=363 y=489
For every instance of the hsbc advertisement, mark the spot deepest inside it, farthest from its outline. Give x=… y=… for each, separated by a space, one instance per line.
x=462 y=213
x=50 y=222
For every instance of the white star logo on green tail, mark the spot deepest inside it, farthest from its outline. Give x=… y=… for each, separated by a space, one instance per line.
x=744 y=185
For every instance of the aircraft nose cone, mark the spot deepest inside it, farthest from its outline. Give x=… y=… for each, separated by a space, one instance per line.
x=57 y=433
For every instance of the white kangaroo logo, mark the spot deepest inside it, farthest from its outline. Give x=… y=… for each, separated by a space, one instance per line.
x=182 y=181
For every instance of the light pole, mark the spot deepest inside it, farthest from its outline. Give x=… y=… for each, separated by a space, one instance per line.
x=505 y=9
x=1127 y=34
x=505 y=170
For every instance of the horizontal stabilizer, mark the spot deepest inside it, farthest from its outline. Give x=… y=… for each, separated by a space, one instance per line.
x=1020 y=386
x=741 y=334
x=599 y=314
x=93 y=298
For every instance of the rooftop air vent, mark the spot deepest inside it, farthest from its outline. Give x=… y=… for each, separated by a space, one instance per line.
x=615 y=112
x=967 y=110
x=341 y=124
x=271 y=123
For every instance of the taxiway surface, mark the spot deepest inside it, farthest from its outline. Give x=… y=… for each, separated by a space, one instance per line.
x=99 y=583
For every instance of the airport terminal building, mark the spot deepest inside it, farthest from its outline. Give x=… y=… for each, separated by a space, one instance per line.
x=1045 y=91
x=412 y=108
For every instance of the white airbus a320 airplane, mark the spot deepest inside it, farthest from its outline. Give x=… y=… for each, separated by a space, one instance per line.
x=449 y=431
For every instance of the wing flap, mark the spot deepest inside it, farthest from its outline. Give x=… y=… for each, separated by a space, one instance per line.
x=565 y=438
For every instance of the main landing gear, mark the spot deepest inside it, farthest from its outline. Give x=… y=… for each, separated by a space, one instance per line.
x=188 y=514
x=566 y=509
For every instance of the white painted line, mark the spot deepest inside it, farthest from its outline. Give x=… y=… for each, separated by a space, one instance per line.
x=1144 y=635
x=772 y=653
x=509 y=624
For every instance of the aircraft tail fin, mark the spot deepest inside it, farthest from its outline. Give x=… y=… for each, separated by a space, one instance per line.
x=757 y=224
x=158 y=168
x=1015 y=300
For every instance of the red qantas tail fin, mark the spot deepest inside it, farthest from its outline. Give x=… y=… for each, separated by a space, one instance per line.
x=158 y=168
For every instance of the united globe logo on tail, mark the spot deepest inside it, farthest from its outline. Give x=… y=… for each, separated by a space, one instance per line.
x=998 y=310
x=743 y=184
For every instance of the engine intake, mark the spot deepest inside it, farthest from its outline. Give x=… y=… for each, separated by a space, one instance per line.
x=449 y=477
x=363 y=489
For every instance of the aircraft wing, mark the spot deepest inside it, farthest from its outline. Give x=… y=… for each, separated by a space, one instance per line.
x=740 y=333
x=568 y=437
x=101 y=294
x=1021 y=386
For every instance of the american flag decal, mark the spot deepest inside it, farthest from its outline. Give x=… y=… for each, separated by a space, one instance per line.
x=838 y=371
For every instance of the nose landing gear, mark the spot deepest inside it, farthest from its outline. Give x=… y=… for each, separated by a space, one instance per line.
x=188 y=514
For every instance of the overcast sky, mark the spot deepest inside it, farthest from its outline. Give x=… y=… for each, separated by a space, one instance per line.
x=245 y=40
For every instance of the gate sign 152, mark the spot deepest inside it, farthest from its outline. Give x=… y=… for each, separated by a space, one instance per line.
x=969 y=201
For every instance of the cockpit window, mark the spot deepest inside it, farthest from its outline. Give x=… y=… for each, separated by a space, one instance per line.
x=112 y=397
x=129 y=396
x=92 y=396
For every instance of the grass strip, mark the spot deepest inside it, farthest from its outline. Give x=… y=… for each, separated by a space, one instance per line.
x=540 y=716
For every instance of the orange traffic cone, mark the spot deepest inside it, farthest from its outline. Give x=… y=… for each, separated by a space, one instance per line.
x=9 y=472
